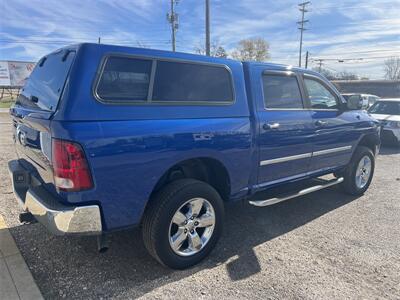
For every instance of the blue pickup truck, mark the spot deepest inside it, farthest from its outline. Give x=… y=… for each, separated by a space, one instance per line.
x=111 y=137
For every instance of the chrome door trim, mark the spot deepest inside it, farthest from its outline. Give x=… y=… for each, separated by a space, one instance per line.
x=284 y=159
x=304 y=155
x=332 y=150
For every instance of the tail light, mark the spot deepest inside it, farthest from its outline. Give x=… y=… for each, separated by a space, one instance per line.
x=71 y=170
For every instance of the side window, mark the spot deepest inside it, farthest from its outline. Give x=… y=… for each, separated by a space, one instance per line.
x=320 y=97
x=125 y=79
x=281 y=91
x=187 y=82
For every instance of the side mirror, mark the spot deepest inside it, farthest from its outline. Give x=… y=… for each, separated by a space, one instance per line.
x=354 y=103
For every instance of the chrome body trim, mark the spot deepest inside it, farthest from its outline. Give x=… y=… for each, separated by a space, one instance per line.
x=58 y=218
x=332 y=150
x=304 y=155
x=271 y=201
x=64 y=220
x=284 y=159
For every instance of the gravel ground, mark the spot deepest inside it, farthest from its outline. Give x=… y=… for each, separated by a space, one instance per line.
x=322 y=246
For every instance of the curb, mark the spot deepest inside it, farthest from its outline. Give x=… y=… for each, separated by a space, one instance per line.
x=16 y=281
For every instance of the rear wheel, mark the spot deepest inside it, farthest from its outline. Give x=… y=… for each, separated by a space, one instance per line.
x=183 y=223
x=358 y=174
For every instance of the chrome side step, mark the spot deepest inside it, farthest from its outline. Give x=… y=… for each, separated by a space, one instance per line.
x=311 y=189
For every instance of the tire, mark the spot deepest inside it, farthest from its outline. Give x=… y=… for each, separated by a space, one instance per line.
x=158 y=228
x=352 y=184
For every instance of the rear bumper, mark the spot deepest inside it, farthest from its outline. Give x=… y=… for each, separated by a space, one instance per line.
x=58 y=218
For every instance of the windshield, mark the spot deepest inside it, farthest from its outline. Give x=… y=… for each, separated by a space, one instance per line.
x=385 y=108
x=45 y=85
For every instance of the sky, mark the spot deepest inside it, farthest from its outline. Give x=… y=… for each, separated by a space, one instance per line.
x=365 y=31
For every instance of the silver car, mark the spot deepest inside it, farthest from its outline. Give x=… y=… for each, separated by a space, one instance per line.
x=387 y=111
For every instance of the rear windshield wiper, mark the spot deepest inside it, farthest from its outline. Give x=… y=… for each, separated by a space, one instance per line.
x=41 y=62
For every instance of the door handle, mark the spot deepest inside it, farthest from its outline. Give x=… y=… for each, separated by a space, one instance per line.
x=320 y=123
x=268 y=126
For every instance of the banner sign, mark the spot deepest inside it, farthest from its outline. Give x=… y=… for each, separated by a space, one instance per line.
x=14 y=73
x=4 y=74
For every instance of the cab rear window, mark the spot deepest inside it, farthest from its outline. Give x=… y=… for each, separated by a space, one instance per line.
x=44 y=86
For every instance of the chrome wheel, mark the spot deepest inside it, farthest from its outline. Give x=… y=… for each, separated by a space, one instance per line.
x=363 y=172
x=191 y=227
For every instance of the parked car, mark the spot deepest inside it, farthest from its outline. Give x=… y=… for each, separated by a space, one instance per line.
x=366 y=99
x=387 y=112
x=113 y=137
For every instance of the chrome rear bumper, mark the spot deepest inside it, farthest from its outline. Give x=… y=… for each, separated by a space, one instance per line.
x=58 y=218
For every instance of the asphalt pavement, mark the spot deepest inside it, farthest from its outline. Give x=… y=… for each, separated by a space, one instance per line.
x=325 y=245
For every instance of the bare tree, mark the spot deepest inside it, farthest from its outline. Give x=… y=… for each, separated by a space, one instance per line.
x=252 y=49
x=325 y=72
x=392 y=68
x=220 y=52
x=346 y=75
x=216 y=50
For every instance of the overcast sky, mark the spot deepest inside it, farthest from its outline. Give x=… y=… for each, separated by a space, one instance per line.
x=366 y=31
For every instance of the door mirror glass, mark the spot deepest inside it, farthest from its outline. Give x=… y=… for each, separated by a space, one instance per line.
x=354 y=102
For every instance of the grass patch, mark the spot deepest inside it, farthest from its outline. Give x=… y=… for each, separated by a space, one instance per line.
x=6 y=104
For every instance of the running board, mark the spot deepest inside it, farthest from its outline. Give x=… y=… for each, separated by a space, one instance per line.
x=311 y=189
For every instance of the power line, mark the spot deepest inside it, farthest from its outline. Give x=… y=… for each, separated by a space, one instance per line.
x=350 y=59
x=67 y=42
x=348 y=7
x=302 y=8
x=368 y=51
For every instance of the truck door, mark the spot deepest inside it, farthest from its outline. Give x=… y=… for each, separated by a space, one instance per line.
x=285 y=128
x=335 y=130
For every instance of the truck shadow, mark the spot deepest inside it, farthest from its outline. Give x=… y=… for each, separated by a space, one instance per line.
x=72 y=267
x=389 y=150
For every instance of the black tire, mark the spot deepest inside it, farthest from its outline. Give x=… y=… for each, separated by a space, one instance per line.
x=160 y=211
x=349 y=185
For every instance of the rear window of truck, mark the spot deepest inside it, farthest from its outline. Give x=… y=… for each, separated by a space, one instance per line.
x=133 y=80
x=44 y=86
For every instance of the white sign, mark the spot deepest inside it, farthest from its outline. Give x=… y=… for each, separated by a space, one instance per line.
x=14 y=73
x=4 y=74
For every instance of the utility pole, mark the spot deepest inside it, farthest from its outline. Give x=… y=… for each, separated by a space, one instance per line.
x=319 y=60
x=172 y=18
x=306 y=66
x=302 y=8
x=208 y=27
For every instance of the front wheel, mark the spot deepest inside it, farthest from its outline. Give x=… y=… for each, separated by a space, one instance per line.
x=183 y=223
x=358 y=174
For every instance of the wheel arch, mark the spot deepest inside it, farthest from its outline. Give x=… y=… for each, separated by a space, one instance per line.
x=371 y=141
x=207 y=169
